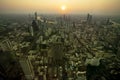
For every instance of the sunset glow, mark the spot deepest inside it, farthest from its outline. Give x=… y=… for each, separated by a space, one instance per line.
x=53 y=6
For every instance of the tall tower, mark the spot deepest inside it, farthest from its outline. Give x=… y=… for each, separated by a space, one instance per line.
x=89 y=18
x=35 y=26
x=35 y=16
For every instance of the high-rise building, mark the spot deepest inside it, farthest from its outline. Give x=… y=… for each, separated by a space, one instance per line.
x=89 y=18
x=36 y=16
x=27 y=68
x=35 y=25
x=74 y=25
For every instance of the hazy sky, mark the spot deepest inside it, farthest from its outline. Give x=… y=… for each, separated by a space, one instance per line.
x=53 y=6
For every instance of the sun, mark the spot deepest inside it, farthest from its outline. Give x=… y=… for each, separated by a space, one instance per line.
x=63 y=7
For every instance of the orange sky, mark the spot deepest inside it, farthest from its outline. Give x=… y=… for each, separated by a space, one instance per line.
x=53 y=6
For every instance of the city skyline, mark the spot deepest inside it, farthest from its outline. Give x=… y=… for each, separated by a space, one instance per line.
x=109 y=7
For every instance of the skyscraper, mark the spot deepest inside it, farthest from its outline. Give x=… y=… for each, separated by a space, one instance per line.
x=89 y=18
x=36 y=16
x=35 y=25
